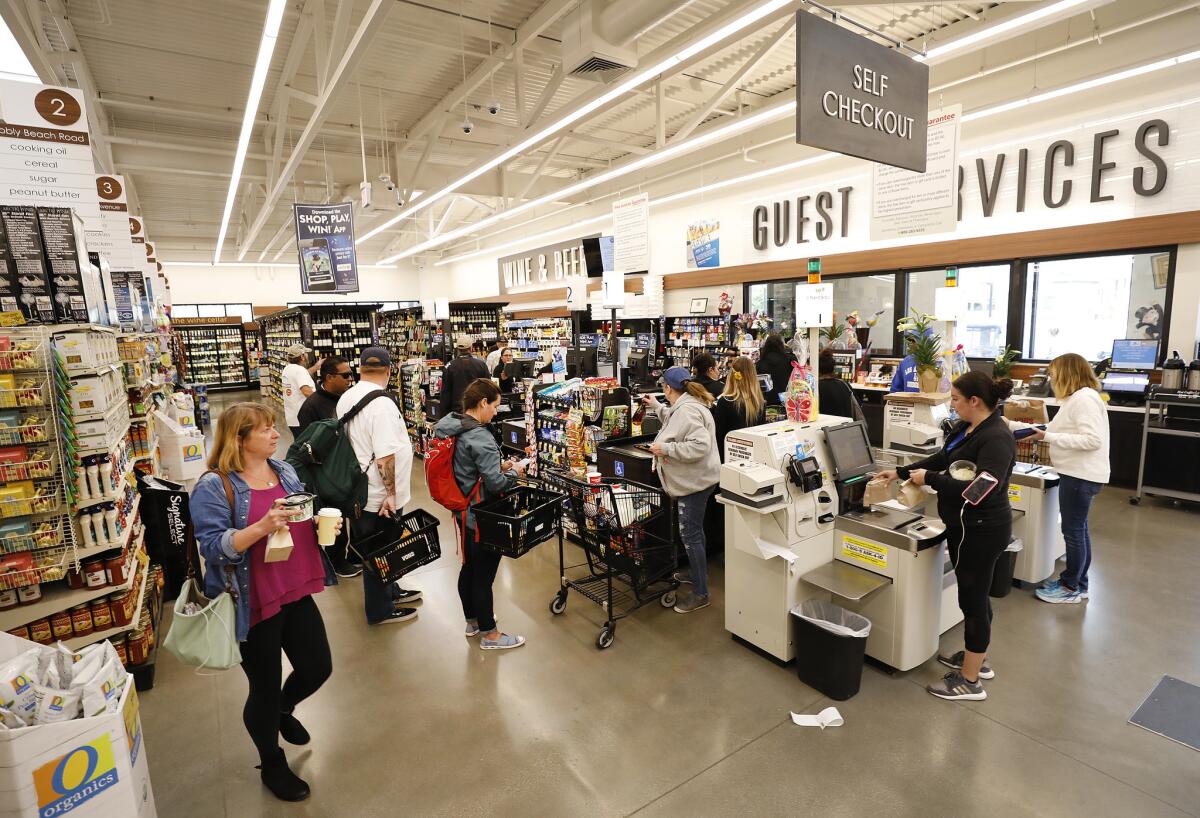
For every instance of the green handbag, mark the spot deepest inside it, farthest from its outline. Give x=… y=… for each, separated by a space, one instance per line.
x=206 y=638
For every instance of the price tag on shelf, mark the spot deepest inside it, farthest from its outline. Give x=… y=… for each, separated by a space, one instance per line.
x=814 y=305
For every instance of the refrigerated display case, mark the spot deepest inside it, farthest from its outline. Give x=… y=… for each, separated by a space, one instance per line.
x=214 y=355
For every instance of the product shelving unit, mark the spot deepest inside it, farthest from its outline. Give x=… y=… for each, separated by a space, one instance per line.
x=402 y=331
x=531 y=337
x=333 y=329
x=474 y=322
x=686 y=336
x=1182 y=431
x=419 y=384
x=214 y=355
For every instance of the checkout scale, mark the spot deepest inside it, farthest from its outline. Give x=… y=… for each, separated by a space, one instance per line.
x=798 y=531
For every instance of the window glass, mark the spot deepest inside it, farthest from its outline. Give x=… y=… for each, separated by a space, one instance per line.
x=211 y=310
x=867 y=294
x=985 y=293
x=184 y=311
x=778 y=301
x=1083 y=304
x=243 y=311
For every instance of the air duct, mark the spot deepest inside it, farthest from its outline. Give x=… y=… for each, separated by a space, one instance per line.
x=598 y=38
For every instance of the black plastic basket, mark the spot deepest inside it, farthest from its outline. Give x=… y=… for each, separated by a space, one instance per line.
x=400 y=545
x=513 y=524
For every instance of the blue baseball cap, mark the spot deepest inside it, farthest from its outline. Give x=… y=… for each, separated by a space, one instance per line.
x=376 y=356
x=677 y=377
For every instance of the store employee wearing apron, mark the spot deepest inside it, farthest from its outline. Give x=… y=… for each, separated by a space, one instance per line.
x=977 y=534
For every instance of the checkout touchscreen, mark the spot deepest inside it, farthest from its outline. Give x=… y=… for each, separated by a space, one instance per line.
x=850 y=450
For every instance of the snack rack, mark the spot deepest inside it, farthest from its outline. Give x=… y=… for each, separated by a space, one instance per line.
x=403 y=332
x=568 y=423
x=686 y=336
x=530 y=337
x=418 y=384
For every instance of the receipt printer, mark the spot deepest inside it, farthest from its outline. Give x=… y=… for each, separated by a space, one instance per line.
x=755 y=485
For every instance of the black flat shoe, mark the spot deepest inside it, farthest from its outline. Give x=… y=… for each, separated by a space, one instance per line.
x=284 y=784
x=292 y=730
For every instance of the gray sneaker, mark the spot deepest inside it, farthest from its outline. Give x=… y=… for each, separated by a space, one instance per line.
x=691 y=603
x=503 y=642
x=956 y=662
x=472 y=628
x=953 y=686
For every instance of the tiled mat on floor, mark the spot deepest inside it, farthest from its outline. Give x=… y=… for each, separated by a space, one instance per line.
x=1173 y=711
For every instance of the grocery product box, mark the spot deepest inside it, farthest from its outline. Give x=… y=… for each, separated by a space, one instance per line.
x=87 y=768
x=86 y=350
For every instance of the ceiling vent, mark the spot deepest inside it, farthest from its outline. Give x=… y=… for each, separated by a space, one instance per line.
x=587 y=54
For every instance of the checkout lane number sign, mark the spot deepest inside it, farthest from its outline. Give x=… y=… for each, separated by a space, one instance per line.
x=865 y=552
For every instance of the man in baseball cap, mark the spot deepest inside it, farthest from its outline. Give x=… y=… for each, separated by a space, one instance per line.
x=376 y=357
x=296 y=383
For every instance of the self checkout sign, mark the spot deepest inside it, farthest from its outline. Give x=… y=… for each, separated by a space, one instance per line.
x=814 y=305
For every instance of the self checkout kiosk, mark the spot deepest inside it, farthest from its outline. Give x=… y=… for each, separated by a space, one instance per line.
x=793 y=500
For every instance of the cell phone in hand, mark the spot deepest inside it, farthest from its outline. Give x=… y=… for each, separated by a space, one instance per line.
x=1021 y=434
x=979 y=488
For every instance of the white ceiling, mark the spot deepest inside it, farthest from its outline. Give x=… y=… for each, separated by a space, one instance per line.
x=170 y=79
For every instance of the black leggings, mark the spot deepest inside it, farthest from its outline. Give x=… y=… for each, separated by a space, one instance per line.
x=475 y=580
x=974 y=568
x=298 y=631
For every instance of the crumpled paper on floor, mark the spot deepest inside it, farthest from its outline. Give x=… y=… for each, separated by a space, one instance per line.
x=829 y=717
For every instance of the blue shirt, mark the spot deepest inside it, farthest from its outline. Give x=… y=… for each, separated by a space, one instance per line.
x=214 y=525
x=905 y=377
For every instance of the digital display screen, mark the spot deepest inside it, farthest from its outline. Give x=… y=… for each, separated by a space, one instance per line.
x=588 y=339
x=645 y=340
x=1126 y=382
x=850 y=450
x=1134 y=354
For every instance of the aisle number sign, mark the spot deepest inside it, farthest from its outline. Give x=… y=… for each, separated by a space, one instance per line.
x=868 y=553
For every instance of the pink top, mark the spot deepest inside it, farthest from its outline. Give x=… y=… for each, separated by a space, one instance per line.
x=275 y=584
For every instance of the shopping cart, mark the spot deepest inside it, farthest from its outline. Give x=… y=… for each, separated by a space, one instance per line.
x=1032 y=451
x=627 y=566
x=520 y=519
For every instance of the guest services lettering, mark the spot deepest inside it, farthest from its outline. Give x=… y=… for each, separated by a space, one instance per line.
x=868 y=114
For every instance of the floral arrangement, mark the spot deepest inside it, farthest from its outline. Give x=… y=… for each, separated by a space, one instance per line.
x=725 y=305
x=834 y=332
x=1003 y=363
x=921 y=341
x=755 y=323
x=874 y=319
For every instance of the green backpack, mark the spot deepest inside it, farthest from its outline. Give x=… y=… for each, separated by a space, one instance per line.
x=324 y=459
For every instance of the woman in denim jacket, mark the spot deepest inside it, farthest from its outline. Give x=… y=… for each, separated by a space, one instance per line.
x=275 y=609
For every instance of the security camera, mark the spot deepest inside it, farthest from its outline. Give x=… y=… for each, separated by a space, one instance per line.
x=387 y=182
x=493 y=107
x=467 y=126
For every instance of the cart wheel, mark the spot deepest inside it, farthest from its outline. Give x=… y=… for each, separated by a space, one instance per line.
x=559 y=603
x=668 y=599
x=607 y=634
x=1135 y=501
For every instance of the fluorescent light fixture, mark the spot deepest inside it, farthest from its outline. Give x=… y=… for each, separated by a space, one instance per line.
x=1010 y=27
x=1085 y=85
x=293 y=266
x=266 y=47
x=619 y=90
x=732 y=128
x=526 y=240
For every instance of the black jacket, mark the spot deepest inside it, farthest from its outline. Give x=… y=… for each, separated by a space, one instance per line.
x=728 y=417
x=320 y=405
x=836 y=397
x=715 y=386
x=992 y=448
x=457 y=376
x=506 y=384
x=779 y=367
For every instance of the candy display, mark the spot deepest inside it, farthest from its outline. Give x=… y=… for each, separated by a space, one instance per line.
x=801 y=396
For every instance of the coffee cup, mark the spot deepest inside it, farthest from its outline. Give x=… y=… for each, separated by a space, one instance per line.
x=327 y=520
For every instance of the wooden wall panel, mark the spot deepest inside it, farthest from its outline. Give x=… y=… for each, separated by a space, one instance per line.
x=556 y=312
x=1124 y=234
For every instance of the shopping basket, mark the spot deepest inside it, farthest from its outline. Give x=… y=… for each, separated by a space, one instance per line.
x=400 y=545
x=519 y=520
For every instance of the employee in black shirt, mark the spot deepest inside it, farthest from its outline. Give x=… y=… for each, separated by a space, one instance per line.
x=704 y=372
x=977 y=534
x=335 y=378
x=834 y=395
x=775 y=359
x=507 y=383
x=460 y=373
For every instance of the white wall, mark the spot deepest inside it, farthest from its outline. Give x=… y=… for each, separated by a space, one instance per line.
x=276 y=286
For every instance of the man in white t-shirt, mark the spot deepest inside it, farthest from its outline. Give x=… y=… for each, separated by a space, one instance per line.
x=493 y=357
x=380 y=441
x=297 y=385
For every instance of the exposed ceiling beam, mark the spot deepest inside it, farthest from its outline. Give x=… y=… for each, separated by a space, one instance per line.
x=368 y=27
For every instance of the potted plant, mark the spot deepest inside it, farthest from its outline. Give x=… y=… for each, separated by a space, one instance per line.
x=832 y=335
x=1002 y=366
x=925 y=346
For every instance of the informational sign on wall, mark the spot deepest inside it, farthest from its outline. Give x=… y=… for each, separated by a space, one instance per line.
x=704 y=244
x=45 y=151
x=550 y=267
x=904 y=203
x=631 y=234
x=325 y=239
x=857 y=97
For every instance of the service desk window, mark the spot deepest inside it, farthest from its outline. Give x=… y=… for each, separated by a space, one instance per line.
x=778 y=301
x=1084 y=304
x=868 y=294
x=985 y=291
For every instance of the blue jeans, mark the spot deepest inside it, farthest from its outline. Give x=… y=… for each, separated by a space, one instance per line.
x=377 y=595
x=691 y=529
x=1074 y=501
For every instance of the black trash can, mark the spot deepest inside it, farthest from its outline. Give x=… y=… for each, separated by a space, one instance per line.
x=830 y=645
x=1002 y=577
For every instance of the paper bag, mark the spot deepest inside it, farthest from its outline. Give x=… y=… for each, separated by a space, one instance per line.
x=1026 y=410
x=910 y=495
x=279 y=545
x=879 y=490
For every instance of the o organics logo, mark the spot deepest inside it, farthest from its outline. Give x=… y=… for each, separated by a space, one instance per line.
x=20 y=683
x=193 y=451
x=69 y=780
x=56 y=703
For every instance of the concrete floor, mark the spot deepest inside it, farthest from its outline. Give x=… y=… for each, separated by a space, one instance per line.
x=677 y=719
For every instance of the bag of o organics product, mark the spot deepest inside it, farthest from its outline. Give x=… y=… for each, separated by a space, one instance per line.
x=17 y=677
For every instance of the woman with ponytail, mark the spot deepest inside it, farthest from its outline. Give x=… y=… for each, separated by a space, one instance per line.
x=977 y=534
x=741 y=404
x=686 y=448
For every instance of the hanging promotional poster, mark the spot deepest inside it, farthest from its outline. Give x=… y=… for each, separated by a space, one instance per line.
x=704 y=244
x=325 y=239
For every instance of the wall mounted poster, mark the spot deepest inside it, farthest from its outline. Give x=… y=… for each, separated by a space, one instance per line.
x=325 y=240
x=904 y=203
x=704 y=244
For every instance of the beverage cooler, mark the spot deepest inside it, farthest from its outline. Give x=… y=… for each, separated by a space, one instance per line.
x=334 y=329
x=214 y=355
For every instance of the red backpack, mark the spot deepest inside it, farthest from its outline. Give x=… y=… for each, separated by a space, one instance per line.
x=439 y=475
